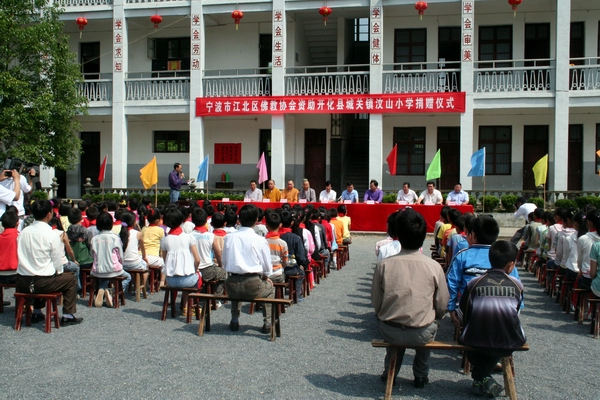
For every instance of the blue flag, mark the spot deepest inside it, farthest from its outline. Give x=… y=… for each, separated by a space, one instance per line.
x=478 y=163
x=203 y=171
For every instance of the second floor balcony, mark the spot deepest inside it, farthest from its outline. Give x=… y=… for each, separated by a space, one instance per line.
x=421 y=77
x=585 y=74
x=505 y=76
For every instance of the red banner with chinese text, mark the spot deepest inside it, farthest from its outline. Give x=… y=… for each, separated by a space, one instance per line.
x=228 y=153
x=447 y=102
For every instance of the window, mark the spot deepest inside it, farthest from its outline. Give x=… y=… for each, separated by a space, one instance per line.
x=411 y=150
x=361 y=30
x=171 y=141
x=495 y=43
x=89 y=57
x=170 y=54
x=577 y=42
x=410 y=45
x=497 y=141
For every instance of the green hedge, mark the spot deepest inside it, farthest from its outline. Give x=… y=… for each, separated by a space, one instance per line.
x=389 y=198
x=538 y=201
x=508 y=202
x=490 y=203
x=583 y=201
x=38 y=195
x=565 y=203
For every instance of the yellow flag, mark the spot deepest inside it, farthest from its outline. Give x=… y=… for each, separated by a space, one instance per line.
x=149 y=174
x=598 y=152
x=540 y=171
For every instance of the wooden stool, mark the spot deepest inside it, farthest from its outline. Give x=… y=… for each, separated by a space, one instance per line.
x=137 y=276
x=2 y=286
x=595 y=327
x=563 y=297
x=171 y=298
x=279 y=294
x=84 y=274
x=24 y=299
x=291 y=280
x=116 y=281
x=154 y=278
x=580 y=297
x=209 y=289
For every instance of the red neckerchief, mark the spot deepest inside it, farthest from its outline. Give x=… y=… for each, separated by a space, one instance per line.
x=537 y=220
x=333 y=219
x=176 y=231
x=129 y=228
x=117 y=222
x=284 y=230
x=219 y=232
x=301 y=225
x=92 y=223
x=592 y=230
x=340 y=215
x=201 y=229
x=272 y=235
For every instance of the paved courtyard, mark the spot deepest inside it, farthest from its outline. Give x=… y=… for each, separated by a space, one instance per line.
x=324 y=353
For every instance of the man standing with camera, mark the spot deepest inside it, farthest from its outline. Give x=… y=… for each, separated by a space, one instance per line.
x=7 y=196
x=26 y=186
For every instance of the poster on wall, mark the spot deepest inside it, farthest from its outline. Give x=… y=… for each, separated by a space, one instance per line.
x=228 y=153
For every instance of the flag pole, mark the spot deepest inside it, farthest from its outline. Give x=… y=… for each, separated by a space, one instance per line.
x=102 y=183
x=483 y=194
x=156 y=195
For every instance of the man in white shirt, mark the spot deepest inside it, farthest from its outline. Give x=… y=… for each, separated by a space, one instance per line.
x=247 y=257
x=328 y=195
x=406 y=194
x=522 y=209
x=458 y=196
x=254 y=194
x=40 y=267
x=431 y=195
x=7 y=196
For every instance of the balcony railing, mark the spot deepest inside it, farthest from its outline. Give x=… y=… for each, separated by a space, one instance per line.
x=97 y=87
x=156 y=86
x=79 y=3
x=514 y=76
x=237 y=82
x=421 y=77
x=585 y=73
x=336 y=79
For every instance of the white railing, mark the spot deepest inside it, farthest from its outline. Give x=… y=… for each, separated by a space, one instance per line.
x=335 y=79
x=96 y=89
x=239 y=82
x=151 y=1
x=421 y=77
x=78 y=3
x=514 y=76
x=586 y=75
x=140 y=87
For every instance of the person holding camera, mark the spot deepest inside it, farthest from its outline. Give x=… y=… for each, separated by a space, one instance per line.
x=26 y=186
x=9 y=191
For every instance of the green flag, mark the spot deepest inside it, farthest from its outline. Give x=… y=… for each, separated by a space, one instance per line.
x=435 y=168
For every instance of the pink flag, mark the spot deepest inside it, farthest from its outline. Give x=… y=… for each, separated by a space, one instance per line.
x=262 y=169
x=102 y=173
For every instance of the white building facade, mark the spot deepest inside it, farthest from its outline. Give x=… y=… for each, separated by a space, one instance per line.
x=531 y=83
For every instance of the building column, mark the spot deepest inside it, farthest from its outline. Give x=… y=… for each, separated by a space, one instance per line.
x=376 y=87
x=197 y=46
x=119 y=119
x=559 y=150
x=278 y=89
x=467 y=137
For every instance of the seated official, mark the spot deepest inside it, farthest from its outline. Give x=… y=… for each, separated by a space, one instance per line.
x=458 y=196
x=431 y=195
x=349 y=194
x=307 y=193
x=290 y=193
x=272 y=193
x=406 y=194
x=40 y=269
x=374 y=193
x=254 y=193
x=328 y=195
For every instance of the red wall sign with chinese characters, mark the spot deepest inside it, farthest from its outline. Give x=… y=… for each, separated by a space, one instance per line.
x=228 y=153
x=331 y=104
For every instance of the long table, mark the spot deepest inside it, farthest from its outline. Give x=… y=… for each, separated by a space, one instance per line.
x=372 y=217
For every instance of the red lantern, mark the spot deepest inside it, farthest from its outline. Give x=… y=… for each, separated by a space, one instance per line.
x=515 y=5
x=325 y=12
x=156 y=19
x=421 y=6
x=82 y=22
x=237 y=15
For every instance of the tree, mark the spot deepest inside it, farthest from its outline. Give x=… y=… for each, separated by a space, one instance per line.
x=39 y=80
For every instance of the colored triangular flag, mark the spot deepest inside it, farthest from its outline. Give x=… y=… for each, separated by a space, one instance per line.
x=598 y=152
x=149 y=174
x=203 y=171
x=435 y=168
x=540 y=170
x=262 y=169
x=478 y=163
x=392 y=160
x=102 y=173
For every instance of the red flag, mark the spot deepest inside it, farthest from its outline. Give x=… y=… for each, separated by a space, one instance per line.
x=102 y=173
x=391 y=160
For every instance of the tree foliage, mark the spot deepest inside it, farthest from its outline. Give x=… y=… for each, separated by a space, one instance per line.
x=39 y=80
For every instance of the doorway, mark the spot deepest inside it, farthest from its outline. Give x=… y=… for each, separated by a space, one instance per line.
x=574 y=176
x=535 y=146
x=89 y=164
x=315 y=146
x=448 y=140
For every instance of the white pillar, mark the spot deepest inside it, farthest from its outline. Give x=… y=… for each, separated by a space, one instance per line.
x=467 y=134
x=278 y=89
x=119 y=119
x=376 y=87
x=559 y=152
x=197 y=51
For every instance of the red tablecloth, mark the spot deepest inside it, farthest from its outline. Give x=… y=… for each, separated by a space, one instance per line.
x=373 y=217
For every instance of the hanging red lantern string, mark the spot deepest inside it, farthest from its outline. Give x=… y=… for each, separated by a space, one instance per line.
x=237 y=15
x=156 y=19
x=325 y=12
x=421 y=6
x=515 y=5
x=82 y=22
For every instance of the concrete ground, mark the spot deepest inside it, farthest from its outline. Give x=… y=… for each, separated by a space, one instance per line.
x=324 y=353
